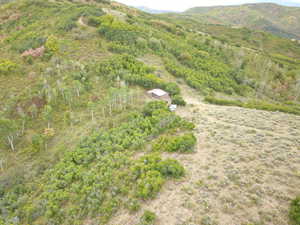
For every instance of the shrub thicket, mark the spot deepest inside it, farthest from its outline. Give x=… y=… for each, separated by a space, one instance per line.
x=99 y=175
x=202 y=77
x=183 y=143
x=178 y=100
x=294 y=213
x=136 y=73
x=117 y=31
x=255 y=104
x=7 y=67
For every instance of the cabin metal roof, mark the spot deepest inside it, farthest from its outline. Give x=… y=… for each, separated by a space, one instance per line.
x=158 y=92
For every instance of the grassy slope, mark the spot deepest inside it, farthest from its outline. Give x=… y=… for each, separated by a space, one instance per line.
x=76 y=82
x=280 y=20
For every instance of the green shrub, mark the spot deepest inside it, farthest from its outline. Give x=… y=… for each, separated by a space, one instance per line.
x=133 y=205
x=51 y=46
x=184 y=143
x=91 y=178
x=150 y=172
x=69 y=22
x=272 y=107
x=141 y=43
x=254 y=104
x=38 y=142
x=294 y=212
x=217 y=101
x=134 y=72
x=7 y=67
x=203 y=71
x=118 y=48
x=149 y=184
x=30 y=40
x=155 y=44
x=172 y=88
x=154 y=106
x=94 y=21
x=115 y=30
x=170 y=168
x=178 y=100
x=148 y=218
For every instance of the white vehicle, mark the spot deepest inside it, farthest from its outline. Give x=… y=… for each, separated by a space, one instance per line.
x=172 y=108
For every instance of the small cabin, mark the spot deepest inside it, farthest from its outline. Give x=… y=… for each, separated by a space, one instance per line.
x=160 y=95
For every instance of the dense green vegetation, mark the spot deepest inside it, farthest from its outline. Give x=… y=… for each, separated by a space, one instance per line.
x=295 y=211
x=99 y=175
x=73 y=119
x=206 y=76
x=287 y=108
x=180 y=143
x=262 y=16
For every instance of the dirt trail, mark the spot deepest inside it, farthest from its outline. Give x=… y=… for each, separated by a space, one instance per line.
x=245 y=170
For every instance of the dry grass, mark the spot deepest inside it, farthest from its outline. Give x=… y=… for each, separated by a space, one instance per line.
x=245 y=170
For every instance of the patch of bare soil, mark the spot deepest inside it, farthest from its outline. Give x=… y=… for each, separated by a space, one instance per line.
x=245 y=170
x=80 y=21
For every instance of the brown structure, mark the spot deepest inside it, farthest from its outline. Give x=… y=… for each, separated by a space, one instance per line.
x=160 y=95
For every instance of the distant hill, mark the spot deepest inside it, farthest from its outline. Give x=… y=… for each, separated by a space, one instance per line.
x=153 y=11
x=280 y=20
x=291 y=3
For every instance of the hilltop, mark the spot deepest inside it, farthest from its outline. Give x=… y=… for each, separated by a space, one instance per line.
x=277 y=19
x=83 y=143
x=153 y=11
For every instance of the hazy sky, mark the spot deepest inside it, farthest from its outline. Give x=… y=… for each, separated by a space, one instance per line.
x=181 y=5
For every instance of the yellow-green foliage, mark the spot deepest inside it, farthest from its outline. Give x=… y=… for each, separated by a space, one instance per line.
x=7 y=67
x=151 y=171
x=183 y=143
x=294 y=213
x=52 y=45
x=255 y=104
x=115 y=30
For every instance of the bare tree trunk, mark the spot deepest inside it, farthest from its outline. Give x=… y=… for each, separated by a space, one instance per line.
x=1 y=164
x=110 y=109
x=11 y=142
x=23 y=127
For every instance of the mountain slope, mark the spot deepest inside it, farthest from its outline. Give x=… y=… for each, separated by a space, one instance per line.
x=81 y=140
x=280 y=20
x=154 y=11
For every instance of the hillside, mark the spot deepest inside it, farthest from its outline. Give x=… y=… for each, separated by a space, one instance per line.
x=82 y=142
x=153 y=11
x=280 y=20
